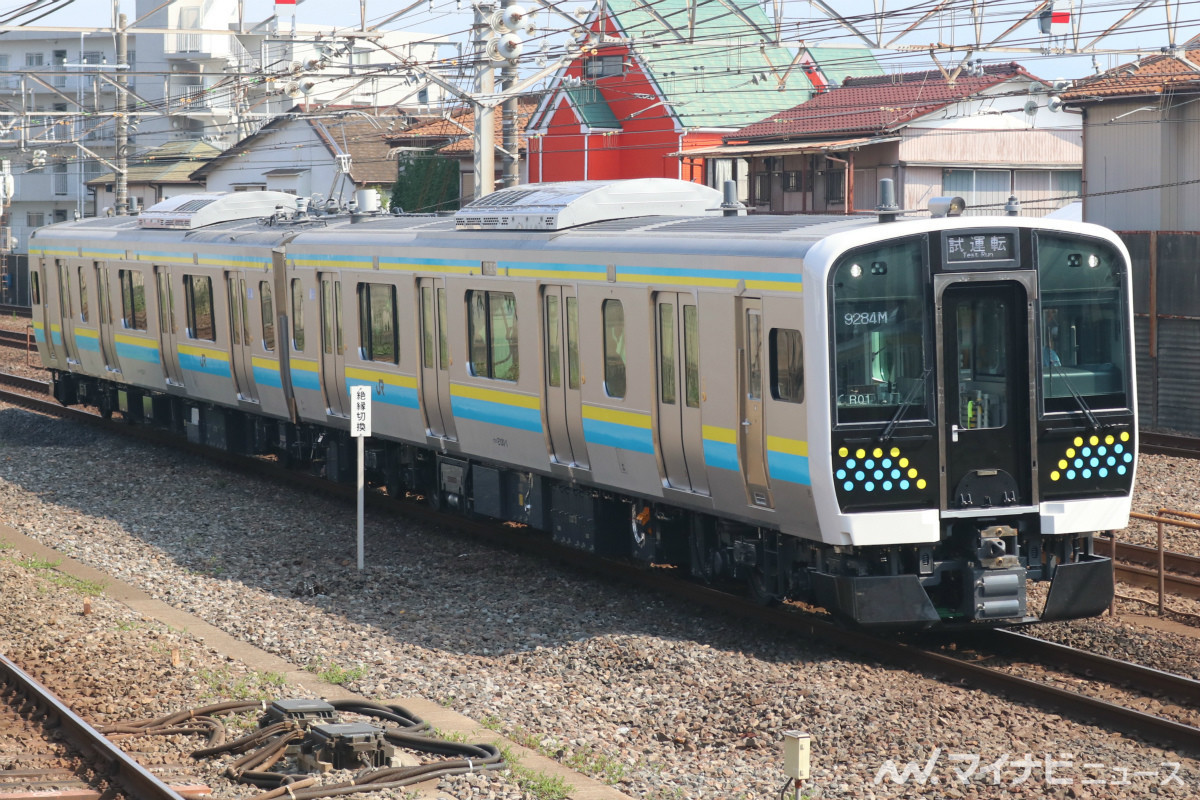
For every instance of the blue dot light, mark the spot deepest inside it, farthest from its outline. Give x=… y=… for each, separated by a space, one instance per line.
x=848 y=485
x=841 y=474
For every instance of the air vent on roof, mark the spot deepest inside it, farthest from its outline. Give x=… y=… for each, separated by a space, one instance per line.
x=189 y=211
x=554 y=206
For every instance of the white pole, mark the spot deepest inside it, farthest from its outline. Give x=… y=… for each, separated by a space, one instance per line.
x=360 y=502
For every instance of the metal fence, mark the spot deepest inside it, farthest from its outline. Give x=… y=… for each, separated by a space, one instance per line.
x=1166 y=307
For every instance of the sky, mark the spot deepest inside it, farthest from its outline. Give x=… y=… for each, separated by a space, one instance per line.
x=453 y=17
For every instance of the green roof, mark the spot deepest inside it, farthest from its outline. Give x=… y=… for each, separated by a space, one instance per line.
x=722 y=78
x=839 y=63
x=172 y=162
x=593 y=110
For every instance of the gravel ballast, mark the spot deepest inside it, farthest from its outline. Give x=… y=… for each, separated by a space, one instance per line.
x=657 y=698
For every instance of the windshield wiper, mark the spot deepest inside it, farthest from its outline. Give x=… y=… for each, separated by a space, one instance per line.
x=886 y=436
x=1093 y=423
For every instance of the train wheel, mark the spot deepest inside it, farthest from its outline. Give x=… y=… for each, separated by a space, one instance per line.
x=758 y=589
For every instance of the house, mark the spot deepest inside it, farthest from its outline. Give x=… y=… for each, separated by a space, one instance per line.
x=452 y=137
x=1141 y=177
x=654 y=79
x=328 y=156
x=163 y=172
x=984 y=135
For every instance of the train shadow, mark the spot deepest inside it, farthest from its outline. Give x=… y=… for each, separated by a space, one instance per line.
x=148 y=516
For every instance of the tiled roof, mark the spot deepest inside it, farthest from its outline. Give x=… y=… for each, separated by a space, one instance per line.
x=839 y=63
x=172 y=162
x=1148 y=76
x=707 y=82
x=877 y=104
x=437 y=131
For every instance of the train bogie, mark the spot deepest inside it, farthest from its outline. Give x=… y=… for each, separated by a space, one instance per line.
x=905 y=422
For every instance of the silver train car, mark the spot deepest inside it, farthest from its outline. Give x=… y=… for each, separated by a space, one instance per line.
x=904 y=421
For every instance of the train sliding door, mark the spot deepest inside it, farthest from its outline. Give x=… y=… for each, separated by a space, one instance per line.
x=240 y=351
x=984 y=335
x=677 y=340
x=333 y=366
x=564 y=403
x=169 y=345
x=435 y=359
x=66 y=312
x=108 y=344
x=750 y=384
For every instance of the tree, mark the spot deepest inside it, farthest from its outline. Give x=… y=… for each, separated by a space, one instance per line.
x=426 y=182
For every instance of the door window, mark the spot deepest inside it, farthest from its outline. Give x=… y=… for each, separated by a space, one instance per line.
x=614 y=348
x=268 y=316
x=197 y=291
x=983 y=335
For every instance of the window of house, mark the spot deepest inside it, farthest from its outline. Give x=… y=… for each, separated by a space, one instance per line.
x=268 y=316
x=762 y=187
x=35 y=219
x=602 y=67
x=835 y=186
x=297 y=316
x=133 y=299
x=614 y=348
x=377 y=330
x=792 y=181
x=198 y=294
x=34 y=59
x=492 y=332
x=787 y=365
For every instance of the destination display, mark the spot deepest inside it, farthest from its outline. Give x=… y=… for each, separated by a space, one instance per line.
x=976 y=246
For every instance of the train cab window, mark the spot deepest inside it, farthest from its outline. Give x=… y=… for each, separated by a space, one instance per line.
x=83 y=295
x=1081 y=324
x=377 y=328
x=691 y=357
x=492 y=332
x=198 y=295
x=268 y=316
x=614 y=348
x=880 y=324
x=297 y=315
x=133 y=299
x=787 y=365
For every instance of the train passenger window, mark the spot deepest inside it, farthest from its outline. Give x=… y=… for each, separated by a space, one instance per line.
x=198 y=295
x=787 y=365
x=666 y=353
x=754 y=354
x=378 y=334
x=880 y=328
x=1082 y=323
x=64 y=289
x=691 y=357
x=614 y=348
x=133 y=299
x=427 y=326
x=553 y=345
x=166 y=302
x=297 y=315
x=268 y=316
x=443 y=342
x=83 y=296
x=573 y=342
x=492 y=332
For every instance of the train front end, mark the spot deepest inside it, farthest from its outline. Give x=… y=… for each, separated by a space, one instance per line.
x=981 y=421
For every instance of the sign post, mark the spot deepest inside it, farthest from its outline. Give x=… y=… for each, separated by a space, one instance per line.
x=360 y=428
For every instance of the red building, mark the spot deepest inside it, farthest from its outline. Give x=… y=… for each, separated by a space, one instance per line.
x=655 y=80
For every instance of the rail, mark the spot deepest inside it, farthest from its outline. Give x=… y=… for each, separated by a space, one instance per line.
x=131 y=777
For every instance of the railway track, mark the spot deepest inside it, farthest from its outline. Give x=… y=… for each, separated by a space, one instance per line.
x=1125 y=718
x=15 y=311
x=45 y=732
x=20 y=340
x=1168 y=444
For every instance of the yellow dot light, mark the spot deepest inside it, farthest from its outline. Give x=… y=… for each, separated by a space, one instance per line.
x=843 y=452
x=921 y=483
x=903 y=462
x=895 y=451
x=912 y=473
x=860 y=453
x=1078 y=441
x=1054 y=475
x=877 y=452
x=1062 y=465
x=1124 y=436
x=1070 y=452
x=1095 y=440
x=1108 y=439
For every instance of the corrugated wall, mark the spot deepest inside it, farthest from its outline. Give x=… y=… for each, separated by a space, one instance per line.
x=1124 y=151
x=1166 y=285
x=1006 y=148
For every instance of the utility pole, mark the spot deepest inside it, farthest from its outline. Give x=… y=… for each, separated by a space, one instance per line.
x=121 y=181
x=485 y=86
x=510 y=141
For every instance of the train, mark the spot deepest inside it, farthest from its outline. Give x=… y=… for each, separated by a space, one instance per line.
x=907 y=420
